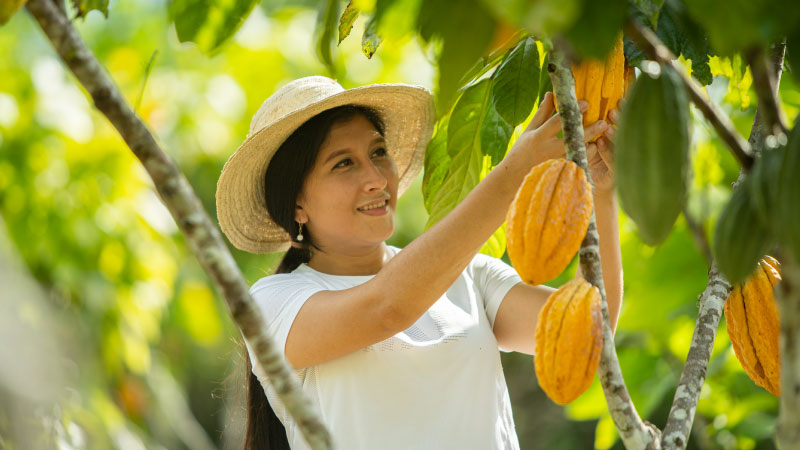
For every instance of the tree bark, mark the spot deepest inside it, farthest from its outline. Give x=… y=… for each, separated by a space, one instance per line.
x=635 y=433
x=177 y=194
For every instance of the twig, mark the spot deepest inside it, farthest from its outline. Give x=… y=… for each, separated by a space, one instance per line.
x=635 y=434
x=766 y=88
x=655 y=49
x=179 y=197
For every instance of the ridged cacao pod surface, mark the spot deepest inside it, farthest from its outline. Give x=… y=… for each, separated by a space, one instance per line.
x=754 y=325
x=548 y=220
x=601 y=83
x=569 y=340
x=652 y=154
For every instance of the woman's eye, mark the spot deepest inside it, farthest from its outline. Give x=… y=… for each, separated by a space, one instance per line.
x=381 y=151
x=339 y=164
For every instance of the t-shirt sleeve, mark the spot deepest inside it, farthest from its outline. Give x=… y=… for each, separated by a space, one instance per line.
x=494 y=278
x=279 y=298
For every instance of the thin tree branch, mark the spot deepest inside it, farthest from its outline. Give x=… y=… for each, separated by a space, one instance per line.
x=635 y=433
x=179 y=197
x=655 y=49
x=766 y=87
x=684 y=405
x=712 y=301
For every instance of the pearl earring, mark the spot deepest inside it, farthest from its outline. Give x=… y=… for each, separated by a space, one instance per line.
x=300 y=234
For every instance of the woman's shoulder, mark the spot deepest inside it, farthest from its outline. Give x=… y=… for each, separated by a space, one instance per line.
x=278 y=281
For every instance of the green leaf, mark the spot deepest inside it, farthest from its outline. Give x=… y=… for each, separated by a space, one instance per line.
x=349 y=16
x=437 y=163
x=464 y=149
x=516 y=84
x=441 y=19
x=496 y=244
x=9 y=7
x=545 y=83
x=649 y=8
x=208 y=24
x=793 y=54
x=84 y=6
x=486 y=63
x=474 y=121
x=326 y=24
x=371 y=38
x=594 y=33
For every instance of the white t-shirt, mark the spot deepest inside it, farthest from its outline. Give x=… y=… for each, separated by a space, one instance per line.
x=438 y=385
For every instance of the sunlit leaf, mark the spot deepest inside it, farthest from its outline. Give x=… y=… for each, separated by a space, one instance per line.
x=84 y=6
x=349 y=16
x=208 y=24
x=597 y=27
x=437 y=163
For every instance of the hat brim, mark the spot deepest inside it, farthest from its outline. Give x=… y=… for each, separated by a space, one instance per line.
x=408 y=113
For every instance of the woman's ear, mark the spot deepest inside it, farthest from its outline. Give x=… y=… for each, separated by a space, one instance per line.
x=300 y=214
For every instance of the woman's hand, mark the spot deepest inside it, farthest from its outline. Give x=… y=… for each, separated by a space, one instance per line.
x=540 y=142
x=600 y=156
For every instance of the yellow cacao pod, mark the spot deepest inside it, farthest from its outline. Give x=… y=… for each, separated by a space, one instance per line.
x=601 y=83
x=548 y=220
x=754 y=325
x=569 y=340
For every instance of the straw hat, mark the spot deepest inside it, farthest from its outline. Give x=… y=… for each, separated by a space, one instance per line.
x=407 y=111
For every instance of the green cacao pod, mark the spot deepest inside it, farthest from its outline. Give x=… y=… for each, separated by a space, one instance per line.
x=652 y=154
x=569 y=340
x=763 y=185
x=740 y=239
x=754 y=325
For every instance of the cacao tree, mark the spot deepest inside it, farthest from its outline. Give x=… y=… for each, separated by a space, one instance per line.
x=494 y=61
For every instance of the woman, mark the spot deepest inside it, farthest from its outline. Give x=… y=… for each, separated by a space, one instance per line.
x=396 y=349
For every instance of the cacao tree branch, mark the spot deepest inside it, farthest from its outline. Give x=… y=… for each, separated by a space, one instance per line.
x=177 y=194
x=766 y=86
x=684 y=404
x=712 y=301
x=656 y=50
x=635 y=433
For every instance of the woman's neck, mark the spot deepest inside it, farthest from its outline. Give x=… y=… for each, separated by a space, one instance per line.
x=337 y=261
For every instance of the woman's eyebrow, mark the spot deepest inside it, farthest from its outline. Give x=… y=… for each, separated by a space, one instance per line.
x=345 y=150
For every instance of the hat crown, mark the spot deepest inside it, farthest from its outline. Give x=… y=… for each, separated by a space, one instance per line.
x=293 y=96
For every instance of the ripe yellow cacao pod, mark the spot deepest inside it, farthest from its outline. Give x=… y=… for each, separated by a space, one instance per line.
x=548 y=220
x=601 y=83
x=754 y=325
x=569 y=340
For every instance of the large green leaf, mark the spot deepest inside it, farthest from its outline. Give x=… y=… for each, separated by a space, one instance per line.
x=788 y=223
x=649 y=8
x=466 y=30
x=464 y=146
x=209 y=24
x=437 y=162
x=516 y=84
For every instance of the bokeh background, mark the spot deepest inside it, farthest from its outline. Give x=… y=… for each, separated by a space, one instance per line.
x=111 y=335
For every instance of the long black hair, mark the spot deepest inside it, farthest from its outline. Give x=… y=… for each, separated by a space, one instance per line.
x=283 y=182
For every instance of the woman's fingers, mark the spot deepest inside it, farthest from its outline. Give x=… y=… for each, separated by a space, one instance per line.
x=594 y=130
x=605 y=152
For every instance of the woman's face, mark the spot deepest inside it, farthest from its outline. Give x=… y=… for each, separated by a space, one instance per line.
x=352 y=170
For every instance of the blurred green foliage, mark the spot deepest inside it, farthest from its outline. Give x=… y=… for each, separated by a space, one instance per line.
x=147 y=354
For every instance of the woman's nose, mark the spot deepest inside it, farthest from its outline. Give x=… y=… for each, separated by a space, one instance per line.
x=374 y=177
